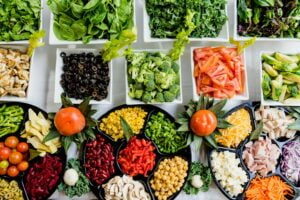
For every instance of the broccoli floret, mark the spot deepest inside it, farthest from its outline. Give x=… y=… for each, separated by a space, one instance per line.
x=175 y=89
x=175 y=67
x=168 y=81
x=133 y=71
x=159 y=97
x=150 y=85
x=160 y=77
x=146 y=97
x=169 y=96
x=138 y=94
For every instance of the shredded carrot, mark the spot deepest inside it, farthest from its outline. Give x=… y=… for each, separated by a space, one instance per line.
x=270 y=188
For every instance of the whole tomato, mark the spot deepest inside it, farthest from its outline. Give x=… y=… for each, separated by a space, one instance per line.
x=2 y=145
x=11 y=142
x=23 y=166
x=22 y=147
x=12 y=171
x=4 y=153
x=15 y=158
x=3 y=171
x=69 y=121
x=203 y=122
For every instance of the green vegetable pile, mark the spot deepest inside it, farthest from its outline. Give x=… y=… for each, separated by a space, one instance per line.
x=269 y=18
x=82 y=185
x=90 y=19
x=19 y=19
x=163 y=133
x=152 y=77
x=281 y=77
x=167 y=17
x=11 y=118
x=198 y=168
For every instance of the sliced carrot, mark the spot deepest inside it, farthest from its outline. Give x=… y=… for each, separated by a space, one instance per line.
x=211 y=62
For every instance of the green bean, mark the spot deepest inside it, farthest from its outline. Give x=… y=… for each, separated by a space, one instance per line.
x=11 y=118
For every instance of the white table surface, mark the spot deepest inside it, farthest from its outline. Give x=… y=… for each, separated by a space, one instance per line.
x=44 y=70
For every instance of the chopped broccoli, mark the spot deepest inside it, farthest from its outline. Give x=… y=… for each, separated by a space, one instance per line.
x=175 y=67
x=159 y=97
x=147 y=97
x=133 y=71
x=150 y=85
x=169 y=96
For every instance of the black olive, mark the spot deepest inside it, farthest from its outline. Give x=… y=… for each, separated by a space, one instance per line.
x=63 y=54
x=89 y=55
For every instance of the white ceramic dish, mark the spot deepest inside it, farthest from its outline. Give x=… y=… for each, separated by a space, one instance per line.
x=131 y=101
x=58 y=90
x=29 y=90
x=271 y=102
x=236 y=36
x=21 y=42
x=223 y=36
x=244 y=96
x=53 y=40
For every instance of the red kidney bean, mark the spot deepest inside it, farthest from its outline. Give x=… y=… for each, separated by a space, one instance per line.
x=99 y=160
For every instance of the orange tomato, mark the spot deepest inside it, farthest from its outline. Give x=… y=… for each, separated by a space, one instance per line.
x=3 y=171
x=203 y=122
x=69 y=121
x=2 y=145
x=23 y=166
x=15 y=158
x=22 y=147
x=12 y=171
x=5 y=153
x=11 y=141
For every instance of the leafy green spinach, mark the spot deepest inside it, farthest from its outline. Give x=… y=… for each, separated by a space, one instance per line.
x=167 y=17
x=90 y=19
x=19 y=19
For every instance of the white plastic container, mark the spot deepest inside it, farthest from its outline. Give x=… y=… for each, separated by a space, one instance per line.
x=53 y=40
x=270 y=102
x=244 y=96
x=223 y=36
x=131 y=101
x=21 y=42
x=58 y=90
x=236 y=36
x=22 y=48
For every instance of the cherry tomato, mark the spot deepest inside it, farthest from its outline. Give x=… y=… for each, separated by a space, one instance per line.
x=5 y=153
x=11 y=141
x=23 y=166
x=22 y=147
x=15 y=158
x=2 y=145
x=3 y=171
x=12 y=171
x=203 y=122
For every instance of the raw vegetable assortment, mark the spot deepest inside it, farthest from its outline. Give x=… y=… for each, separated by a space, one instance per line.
x=199 y=179
x=152 y=77
x=290 y=162
x=99 y=160
x=13 y=156
x=87 y=20
x=120 y=188
x=43 y=177
x=11 y=118
x=163 y=133
x=228 y=172
x=167 y=17
x=75 y=182
x=219 y=72
x=275 y=122
x=14 y=70
x=261 y=156
x=84 y=75
x=134 y=116
x=169 y=177
x=10 y=190
x=19 y=19
x=280 y=77
x=272 y=187
x=240 y=129
x=269 y=18
x=138 y=157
